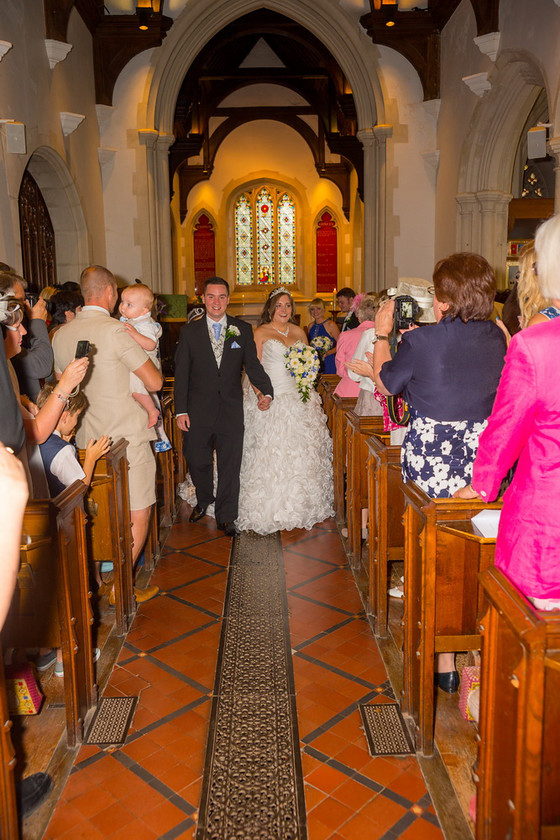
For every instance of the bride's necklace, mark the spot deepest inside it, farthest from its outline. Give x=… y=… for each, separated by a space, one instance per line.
x=281 y=332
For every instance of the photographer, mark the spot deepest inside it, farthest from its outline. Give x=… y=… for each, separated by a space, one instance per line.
x=448 y=373
x=35 y=361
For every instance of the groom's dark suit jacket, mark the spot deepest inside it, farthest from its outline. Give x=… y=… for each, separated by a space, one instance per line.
x=212 y=396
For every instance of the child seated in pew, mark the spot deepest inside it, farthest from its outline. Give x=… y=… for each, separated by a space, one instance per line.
x=135 y=308
x=62 y=468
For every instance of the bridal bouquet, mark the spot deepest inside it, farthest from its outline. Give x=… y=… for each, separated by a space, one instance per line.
x=322 y=344
x=302 y=363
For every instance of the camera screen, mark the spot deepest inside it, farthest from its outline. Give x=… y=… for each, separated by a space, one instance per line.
x=406 y=309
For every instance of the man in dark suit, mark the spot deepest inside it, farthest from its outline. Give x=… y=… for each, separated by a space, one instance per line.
x=209 y=362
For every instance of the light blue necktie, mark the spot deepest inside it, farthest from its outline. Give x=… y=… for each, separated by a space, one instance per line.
x=217 y=330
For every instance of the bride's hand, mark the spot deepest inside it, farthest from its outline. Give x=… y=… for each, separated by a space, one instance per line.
x=263 y=403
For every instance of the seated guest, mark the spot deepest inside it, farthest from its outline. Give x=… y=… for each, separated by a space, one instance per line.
x=347 y=320
x=323 y=335
x=62 y=468
x=524 y=426
x=448 y=372
x=365 y=309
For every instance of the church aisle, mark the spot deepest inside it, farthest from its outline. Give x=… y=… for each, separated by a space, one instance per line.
x=151 y=787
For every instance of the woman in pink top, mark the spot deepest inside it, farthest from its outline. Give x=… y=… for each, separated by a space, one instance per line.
x=525 y=427
x=366 y=307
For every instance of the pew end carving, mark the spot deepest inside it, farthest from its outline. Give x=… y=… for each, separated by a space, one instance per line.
x=340 y=406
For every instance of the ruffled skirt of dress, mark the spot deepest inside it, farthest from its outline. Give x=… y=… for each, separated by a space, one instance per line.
x=286 y=473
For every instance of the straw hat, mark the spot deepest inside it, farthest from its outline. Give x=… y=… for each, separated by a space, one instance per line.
x=423 y=293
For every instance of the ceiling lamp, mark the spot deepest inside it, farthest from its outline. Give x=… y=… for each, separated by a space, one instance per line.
x=146 y=9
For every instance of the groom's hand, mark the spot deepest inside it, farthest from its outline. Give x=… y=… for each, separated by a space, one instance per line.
x=184 y=423
x=263 y=402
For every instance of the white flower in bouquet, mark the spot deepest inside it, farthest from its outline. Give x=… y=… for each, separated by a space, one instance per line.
x=322 y=344
x=302 y=363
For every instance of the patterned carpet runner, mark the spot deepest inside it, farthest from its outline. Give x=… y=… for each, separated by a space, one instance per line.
x=253 y=784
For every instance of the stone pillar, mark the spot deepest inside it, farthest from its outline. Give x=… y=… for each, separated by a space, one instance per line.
x=160 y=268
x=366 y=137
x=554 y=149
x=468 y=227
x=494 y=229
x=382 y=133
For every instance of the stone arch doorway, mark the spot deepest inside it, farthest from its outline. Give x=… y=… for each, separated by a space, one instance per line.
x=489 y=159
x=197 y=25
x=68 y=253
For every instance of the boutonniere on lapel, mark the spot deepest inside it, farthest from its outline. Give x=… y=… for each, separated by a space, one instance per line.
x=232 y=332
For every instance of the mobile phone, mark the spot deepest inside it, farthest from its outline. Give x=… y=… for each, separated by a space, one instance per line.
x=82 y=349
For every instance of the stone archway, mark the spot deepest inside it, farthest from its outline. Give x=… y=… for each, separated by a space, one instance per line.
x=61 y=198
x=489 y=155
x=199 y=22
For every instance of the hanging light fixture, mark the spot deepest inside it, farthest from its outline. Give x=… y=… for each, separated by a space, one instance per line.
x=389 y=8
x=146 y=9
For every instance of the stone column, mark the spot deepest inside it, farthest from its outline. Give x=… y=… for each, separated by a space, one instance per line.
x=554 y=149
x=382 y=133
x=160 y=268
x=366 y=137
x=494 y=208
x=468 y=227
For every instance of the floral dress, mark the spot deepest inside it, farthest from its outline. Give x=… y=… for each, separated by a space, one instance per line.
x=438 y=456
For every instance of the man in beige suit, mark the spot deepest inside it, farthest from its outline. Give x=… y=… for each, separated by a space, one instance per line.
x=111 y=408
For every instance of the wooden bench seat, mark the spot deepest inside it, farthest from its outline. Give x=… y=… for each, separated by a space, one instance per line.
x=8 y=811
x=443 y=600
x=108 y=529
x=358 y=430
x=385 y=526
x=340 y=406
x=519 y=752
x=166 y=468
x=325 y=387
x=51 y=603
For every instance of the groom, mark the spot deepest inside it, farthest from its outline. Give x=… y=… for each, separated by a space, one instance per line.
x=209 y=362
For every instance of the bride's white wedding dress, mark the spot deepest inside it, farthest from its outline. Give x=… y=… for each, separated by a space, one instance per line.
x=286 y=473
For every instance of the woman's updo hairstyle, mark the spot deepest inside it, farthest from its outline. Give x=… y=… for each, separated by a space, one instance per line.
x=267 y=314
x=467 y=284
x=367 y=307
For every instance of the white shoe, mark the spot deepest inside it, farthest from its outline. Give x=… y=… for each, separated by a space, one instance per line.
x=396 y=592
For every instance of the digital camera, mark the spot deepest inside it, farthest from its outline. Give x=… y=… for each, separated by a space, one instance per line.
x=406 y=312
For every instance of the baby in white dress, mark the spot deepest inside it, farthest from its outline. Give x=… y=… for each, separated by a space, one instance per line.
x=136 y=308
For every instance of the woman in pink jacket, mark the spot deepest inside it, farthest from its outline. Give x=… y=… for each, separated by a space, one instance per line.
x=365 y=307
x=525 y=427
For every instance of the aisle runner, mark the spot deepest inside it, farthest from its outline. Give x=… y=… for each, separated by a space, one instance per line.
x=253 y=784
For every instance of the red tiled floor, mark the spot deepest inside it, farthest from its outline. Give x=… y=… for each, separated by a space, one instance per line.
x=105 y=798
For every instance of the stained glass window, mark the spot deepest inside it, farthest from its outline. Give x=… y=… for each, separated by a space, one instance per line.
x=244 y=241
x=265 y=237
x=286 y=240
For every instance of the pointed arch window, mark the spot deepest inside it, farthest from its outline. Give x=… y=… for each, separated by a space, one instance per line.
x=265 y=237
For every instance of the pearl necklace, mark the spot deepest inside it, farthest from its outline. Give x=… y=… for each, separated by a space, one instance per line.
x=280 y=331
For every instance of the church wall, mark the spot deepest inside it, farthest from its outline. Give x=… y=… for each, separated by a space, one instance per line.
x=410 y=177
x=33 y=94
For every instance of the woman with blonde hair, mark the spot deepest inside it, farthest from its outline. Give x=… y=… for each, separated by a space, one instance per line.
x=531 y=300
x=323 y=335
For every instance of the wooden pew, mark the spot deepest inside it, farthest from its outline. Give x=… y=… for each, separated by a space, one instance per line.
x=519 y=752
x=386 y=531
x=108 y=530
x=443 y=601
x=325 y=387
x=175 y=435
x=340 y=406
x=51 y=603
x=8 y=810
x=358 y=430
x=152 y=545
x=166 y=467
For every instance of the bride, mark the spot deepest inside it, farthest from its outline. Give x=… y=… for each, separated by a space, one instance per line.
x=286 y=472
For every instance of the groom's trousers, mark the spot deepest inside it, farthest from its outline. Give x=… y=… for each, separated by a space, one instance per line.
x=199 y=445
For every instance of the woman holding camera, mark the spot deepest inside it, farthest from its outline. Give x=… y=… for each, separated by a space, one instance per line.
x=448 y=373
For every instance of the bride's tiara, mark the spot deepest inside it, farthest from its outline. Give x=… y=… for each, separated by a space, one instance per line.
x=279 y=291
